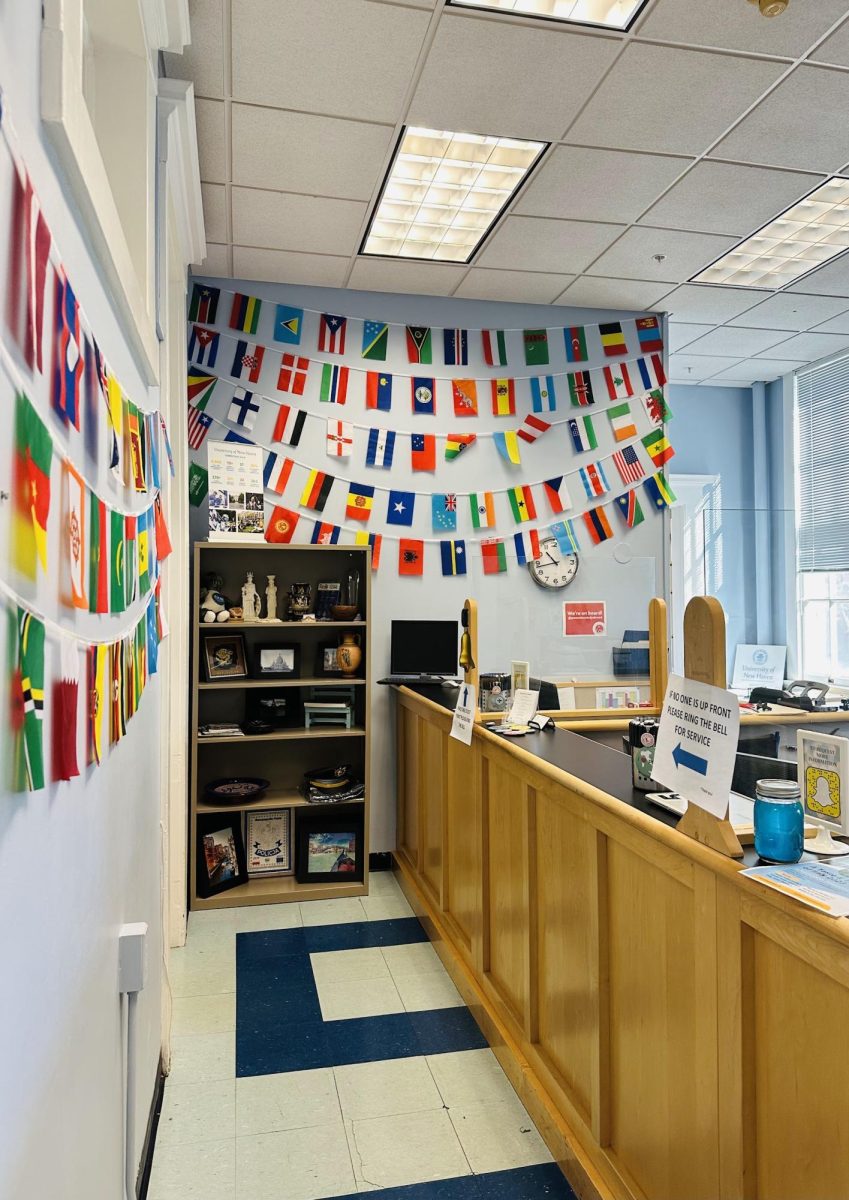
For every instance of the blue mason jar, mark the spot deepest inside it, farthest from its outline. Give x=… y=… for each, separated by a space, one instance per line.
x=779 y=820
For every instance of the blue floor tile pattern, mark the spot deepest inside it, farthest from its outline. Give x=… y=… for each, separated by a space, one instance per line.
x=545 y=1182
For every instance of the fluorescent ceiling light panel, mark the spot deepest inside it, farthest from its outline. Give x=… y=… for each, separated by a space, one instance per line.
x=614 y=14
x=802 y=238
x=444 y=192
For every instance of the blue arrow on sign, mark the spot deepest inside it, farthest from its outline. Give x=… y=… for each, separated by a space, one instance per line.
x=683 y=758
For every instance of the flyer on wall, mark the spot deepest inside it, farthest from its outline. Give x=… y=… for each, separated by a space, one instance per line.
x=235 y=493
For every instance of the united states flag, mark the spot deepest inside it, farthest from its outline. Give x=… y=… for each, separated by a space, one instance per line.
x=628 y=465
x=199 y=424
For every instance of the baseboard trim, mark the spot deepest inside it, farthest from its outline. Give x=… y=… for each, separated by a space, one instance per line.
x=143 y=1177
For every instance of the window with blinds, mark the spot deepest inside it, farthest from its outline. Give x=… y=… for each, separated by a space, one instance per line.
x=822 y=467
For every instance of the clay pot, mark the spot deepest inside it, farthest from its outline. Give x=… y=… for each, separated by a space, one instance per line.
x=349 y=655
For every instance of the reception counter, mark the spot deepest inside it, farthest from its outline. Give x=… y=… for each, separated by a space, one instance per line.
x=676 y=1031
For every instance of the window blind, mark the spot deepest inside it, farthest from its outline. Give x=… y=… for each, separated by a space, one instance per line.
x=822 y=427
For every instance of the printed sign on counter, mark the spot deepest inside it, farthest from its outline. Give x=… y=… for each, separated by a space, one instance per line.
x=585 y=619
x=463 y=724
x=697 y=743
x=758 y=666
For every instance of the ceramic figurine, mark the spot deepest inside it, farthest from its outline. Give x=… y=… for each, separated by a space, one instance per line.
x=251 y=603
x=271 y=599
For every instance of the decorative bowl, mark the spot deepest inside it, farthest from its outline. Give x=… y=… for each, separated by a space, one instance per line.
x=343 y=612
x=232 y=790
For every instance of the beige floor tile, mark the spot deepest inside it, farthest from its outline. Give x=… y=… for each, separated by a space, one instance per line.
x=199 y=1171
x=411 y=1148
x=498 y=1137
x=197 y=1112
x=346 y=966
x=298 y=1164
x=203 y=1014
x=468 y=1077
x=385 y=1089
x=294 y=1100
x=202 y=1057
x=421 y=992
x=332 y=912
x=416 y=958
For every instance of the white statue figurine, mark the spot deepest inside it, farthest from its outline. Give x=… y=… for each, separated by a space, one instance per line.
x=251 y=603
x=271 y=599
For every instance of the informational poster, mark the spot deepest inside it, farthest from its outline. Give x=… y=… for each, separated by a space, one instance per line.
x=758 y=666
x=236 y=511
x=586 y=618
x=697 y=743
x=463 y=724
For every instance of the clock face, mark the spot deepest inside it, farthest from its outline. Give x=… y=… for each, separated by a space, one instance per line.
x=552 y=569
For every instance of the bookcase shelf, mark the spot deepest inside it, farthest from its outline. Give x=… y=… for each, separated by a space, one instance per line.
x=285 y=754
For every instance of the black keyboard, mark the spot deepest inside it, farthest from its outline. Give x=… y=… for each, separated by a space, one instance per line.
x=434 y=679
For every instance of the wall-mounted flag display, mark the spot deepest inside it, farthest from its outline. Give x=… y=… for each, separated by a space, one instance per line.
x=381 y=448
x=576 y=343
x=400 y=508
x=657 y=410
x=316 y=491
x=232 y=436
x=543 y=395
x=289 y=425
x=76 y=504
x=651 y=372
x=649 y=334
x=423 y=451
x=293 y=374
x=526 y=546
x=203 y=346
x=419 y=344
x=659 y=492
x=410 y=557
x=31 y=489
x=276 y=477
x=29 y=702
x=628 y=465
x=423 y=394
x=243 y=409
x=507 y=445
x=334 y=384
x=64 y=703
x=594 y=480
x=494 y=557
x=598 y=525
x=532 y=428
x=612 y=339
x=658 y=447
x=482 y=505
x=456 y=443
x=281 y=525
x=375 y=340
x=324 y=534
x=331 y=333
x=360 y=502
x=204 y=305
x=453 y=557
x=535 y=342
x=581 y=389
x=465 y=393
x=494 y=347
x=375 y=540
x=443 y=512
x=622 y=422
x=557 y=494
x=630 y=509
x=199 y=388
x=98 y=595
x=564 y=532
x=522 y=503
x=244 y=313
x=379 y=390
x=340 y=439
x=116 y=562
x=582 y=432
x=198 y=483
x=247 y=361
x=67 y=353
x=131 y=565
x=456 y=343
x=288 y=323
x=503 y=397
x=618 y=382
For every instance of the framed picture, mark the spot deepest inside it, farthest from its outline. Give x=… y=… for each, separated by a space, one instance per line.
x=224 y=657
x=330 y=846
x=326 y=660
x=269 y=842
x=220 y=853
x=276 y=661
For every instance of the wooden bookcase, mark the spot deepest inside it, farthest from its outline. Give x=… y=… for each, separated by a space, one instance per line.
x=282 y=756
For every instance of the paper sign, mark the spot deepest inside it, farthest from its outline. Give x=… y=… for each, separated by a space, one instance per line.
x=758 y=666
x=464 y=714
x=236 y=511
x=566 y=698
x=520 y=673
x=588 y=619
x=818 y=885
x=524 y=706
x=824 y=778
x=697 y=743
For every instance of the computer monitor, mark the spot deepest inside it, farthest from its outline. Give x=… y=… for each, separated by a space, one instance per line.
x=424 y=648
x=749 y=768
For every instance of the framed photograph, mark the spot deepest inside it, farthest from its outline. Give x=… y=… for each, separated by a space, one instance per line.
x=269 y=842
x=327 y=662
x=329 y=846
x=224 y=657
x=276 y=661
x=220 y=853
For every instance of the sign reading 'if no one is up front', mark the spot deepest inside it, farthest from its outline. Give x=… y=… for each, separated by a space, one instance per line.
x=697 y=743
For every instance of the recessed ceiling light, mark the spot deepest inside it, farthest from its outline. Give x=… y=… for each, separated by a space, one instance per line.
x=802 y=238
x=444 y=192
x=613 y=14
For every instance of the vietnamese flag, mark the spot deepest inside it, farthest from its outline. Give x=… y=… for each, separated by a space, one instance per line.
x=98 y=577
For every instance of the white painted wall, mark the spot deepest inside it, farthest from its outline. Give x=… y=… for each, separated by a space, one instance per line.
x=516 y=619
x=76 y=860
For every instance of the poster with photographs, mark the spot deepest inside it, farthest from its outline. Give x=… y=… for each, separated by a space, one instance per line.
x=235 y=493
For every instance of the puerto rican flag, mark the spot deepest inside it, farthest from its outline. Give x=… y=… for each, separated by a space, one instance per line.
x=247 y=361
x=331 y=333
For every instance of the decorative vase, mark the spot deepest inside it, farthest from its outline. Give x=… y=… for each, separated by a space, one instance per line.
x=349 y=655
x=300 y=598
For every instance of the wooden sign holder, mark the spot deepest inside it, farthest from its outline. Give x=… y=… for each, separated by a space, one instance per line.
x=704 y=661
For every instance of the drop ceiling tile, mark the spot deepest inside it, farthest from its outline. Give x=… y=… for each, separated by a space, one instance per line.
x=685 y=253
x=353 y=59
x=298 y=152
x=647 y=100
x=835 y=325
x=284 y=266
x=540 y=244
x=830 y=280
x=490 y=76
x=202 y=61
x=744 y=343
x=811 y=346
x=721 y=380
x=792 y=126
x=791 y=311
x=527 y=287
x=701 y=302
x=214 y=211
x=209 y=117
x=682 y=334
x=690 y=368
x=217 y=261
x=740 y=27
x=395 y=275
x=726 y=198
x=632 y=295
x=761 y=370
x=284 y=221
x=597 y=185
x=835 y=49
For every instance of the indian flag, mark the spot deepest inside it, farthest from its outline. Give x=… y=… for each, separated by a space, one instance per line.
x=482 y=505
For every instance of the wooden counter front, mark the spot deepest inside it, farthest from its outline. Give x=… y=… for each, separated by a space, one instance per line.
x=676 y=1031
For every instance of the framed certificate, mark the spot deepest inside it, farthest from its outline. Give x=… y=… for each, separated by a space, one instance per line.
x=269 y=842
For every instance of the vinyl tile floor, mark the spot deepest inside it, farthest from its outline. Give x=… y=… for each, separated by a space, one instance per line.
x=322 y=1050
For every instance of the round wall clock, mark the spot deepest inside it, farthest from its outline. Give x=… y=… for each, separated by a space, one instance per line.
x=552 y=569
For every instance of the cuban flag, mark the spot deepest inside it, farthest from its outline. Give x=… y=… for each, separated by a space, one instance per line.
x=203 y=346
